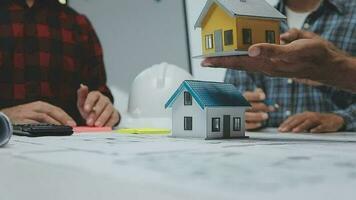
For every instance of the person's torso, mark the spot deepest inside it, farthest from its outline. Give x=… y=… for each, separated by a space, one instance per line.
x=338 y=25
x=40 y=55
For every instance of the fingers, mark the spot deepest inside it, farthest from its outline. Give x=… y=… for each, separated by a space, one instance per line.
x=101 y=104
x=267 y=50
x=100 y=109
x=27 y=121
x=256 y=99
x=55 y=113
x=91 y=100
x=256 y=96
x=105 y=116
x=300 y=123
x=115 y=119
x=291 y=123
x=312 y=122
x=308 y=82
x=91 y=119
x=296 y=34
x=260 y=107
x=233 y=62
x=305 y=126
x=320 y=129
x=44 y=118
x=251 y=64
x=59 y=115
x=291 y=35
x=253 y=126
x=256 y=117
x=82 y=94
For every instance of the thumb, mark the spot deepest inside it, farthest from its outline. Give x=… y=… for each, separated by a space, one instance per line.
x=266 y=50
x=82 y=94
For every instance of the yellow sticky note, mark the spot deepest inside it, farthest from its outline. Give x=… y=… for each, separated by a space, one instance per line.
x=144 y=131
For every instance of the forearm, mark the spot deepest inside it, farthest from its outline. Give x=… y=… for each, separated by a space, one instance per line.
x=341 y=73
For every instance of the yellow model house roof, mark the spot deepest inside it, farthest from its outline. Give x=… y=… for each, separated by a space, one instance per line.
x=235 y=8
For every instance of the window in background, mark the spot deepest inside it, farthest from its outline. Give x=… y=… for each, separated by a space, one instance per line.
x=270 y=37
x=216 y=124
x=209 y=41
x=228 y=38
x=188 y=101
x=247 y=36
x=237 y=124
x=188 y=123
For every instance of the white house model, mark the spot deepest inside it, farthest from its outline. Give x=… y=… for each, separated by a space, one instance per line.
x=208 y=110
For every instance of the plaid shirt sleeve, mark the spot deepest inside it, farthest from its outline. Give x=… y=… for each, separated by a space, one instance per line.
x=348 y=113
x=349 y=116
x=93 y=72
x=244 y=81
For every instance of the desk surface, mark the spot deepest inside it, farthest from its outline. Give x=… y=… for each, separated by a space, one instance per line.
x=115 y=166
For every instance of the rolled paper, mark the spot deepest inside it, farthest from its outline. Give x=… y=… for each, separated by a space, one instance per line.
x=5 y=130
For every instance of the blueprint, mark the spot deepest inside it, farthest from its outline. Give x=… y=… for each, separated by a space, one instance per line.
x=268 y=165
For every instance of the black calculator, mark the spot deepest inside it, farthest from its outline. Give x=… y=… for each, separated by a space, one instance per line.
x=41 y=130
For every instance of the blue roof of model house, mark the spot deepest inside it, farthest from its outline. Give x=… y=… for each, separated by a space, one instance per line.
x=211 y=94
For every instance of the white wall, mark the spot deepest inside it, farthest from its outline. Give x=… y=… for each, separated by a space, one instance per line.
x=136 y=34
x=194 y=7
x=179 y=111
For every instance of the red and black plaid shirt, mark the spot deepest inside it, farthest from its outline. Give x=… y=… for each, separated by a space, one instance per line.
x=46 y=52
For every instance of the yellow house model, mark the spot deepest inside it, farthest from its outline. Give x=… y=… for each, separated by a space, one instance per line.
x=230 y=27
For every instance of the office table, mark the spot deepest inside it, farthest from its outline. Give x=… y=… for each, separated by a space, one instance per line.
x=116 y=166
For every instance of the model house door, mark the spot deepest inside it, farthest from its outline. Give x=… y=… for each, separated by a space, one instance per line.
x=226 y=126
x=218 y=41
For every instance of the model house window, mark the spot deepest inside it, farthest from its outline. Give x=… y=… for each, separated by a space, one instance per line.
x=188 y=123
x=247 y=36
x=188 y=101
x=270 y=37
x=216 y=125
x=237 y=123
x=228 y=38
x=209 y=41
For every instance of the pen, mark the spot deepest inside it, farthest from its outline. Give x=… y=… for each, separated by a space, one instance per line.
x=271 y=103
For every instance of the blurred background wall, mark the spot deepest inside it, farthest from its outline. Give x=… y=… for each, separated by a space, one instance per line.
x=136 y=34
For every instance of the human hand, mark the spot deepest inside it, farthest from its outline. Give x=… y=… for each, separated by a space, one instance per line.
x=96 y=108
x=308 y=82
x=38 y=112
x=302 y=57
x=256 y=115
x=296 y=34
x=312 y=122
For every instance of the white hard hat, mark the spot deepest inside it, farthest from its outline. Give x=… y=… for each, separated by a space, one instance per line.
x=149 y=92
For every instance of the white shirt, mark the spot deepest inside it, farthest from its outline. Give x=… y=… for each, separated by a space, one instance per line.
x=296 y=19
